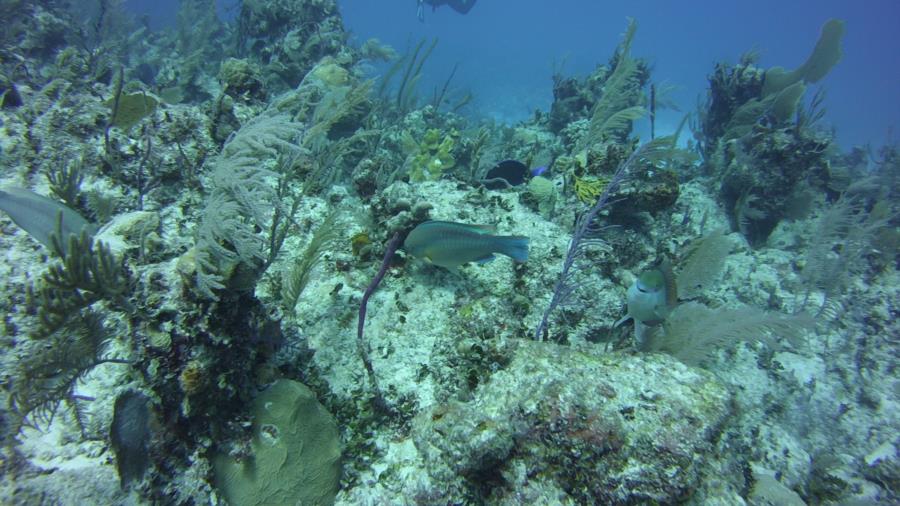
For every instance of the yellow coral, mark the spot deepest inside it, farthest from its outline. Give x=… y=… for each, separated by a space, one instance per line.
x=358 y=242
x=431 y=157
x=589 y=188
x=192 y=377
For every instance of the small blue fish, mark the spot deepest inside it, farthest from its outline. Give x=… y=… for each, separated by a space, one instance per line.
x=450 y=245
x=537 y=171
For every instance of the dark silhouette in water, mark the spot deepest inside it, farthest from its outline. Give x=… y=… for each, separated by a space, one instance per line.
x=460 y=6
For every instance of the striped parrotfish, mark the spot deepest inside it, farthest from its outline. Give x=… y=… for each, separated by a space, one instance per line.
x=450 y=245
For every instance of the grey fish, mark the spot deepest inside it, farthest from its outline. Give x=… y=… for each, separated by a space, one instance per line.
x=40 y=216
x=450 y=245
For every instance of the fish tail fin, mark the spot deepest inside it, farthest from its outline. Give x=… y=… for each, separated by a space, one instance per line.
x=515 y=247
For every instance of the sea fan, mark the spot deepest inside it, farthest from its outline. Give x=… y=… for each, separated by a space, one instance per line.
x=841 y=238
x=702 y=263
x=694 y=332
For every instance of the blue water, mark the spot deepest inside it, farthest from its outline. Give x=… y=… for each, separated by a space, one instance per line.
x=507 y=50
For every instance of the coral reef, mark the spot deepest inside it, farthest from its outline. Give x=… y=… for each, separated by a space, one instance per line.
x=768 y=151
x=430 y=157
x=207 y=301
x=288 y=37
x=558 y=420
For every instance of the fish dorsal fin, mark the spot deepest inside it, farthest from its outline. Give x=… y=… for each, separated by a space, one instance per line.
x=444 y=225
x=484 y=229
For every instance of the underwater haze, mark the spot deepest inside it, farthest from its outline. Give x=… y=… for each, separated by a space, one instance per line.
x=507 y=50
x=468 y=252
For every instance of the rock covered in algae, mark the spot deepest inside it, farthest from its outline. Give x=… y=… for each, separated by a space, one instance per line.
x=596 y=429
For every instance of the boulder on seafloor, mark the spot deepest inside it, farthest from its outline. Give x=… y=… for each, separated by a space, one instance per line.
x=601 y=429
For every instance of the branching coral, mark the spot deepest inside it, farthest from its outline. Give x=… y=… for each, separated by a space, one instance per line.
x=406 y=96
x=72 y=335
x=85 y=276
x=295 y=281
x=50 y=372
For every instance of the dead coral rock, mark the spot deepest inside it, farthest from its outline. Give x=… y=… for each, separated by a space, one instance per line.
x=652 y=192
x=605 y=429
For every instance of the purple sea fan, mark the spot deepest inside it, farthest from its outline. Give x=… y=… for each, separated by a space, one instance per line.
x=585 y=235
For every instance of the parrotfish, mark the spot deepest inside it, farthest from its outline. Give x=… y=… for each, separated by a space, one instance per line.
x=41 y=216
x=651 y=298
x=450 y=245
